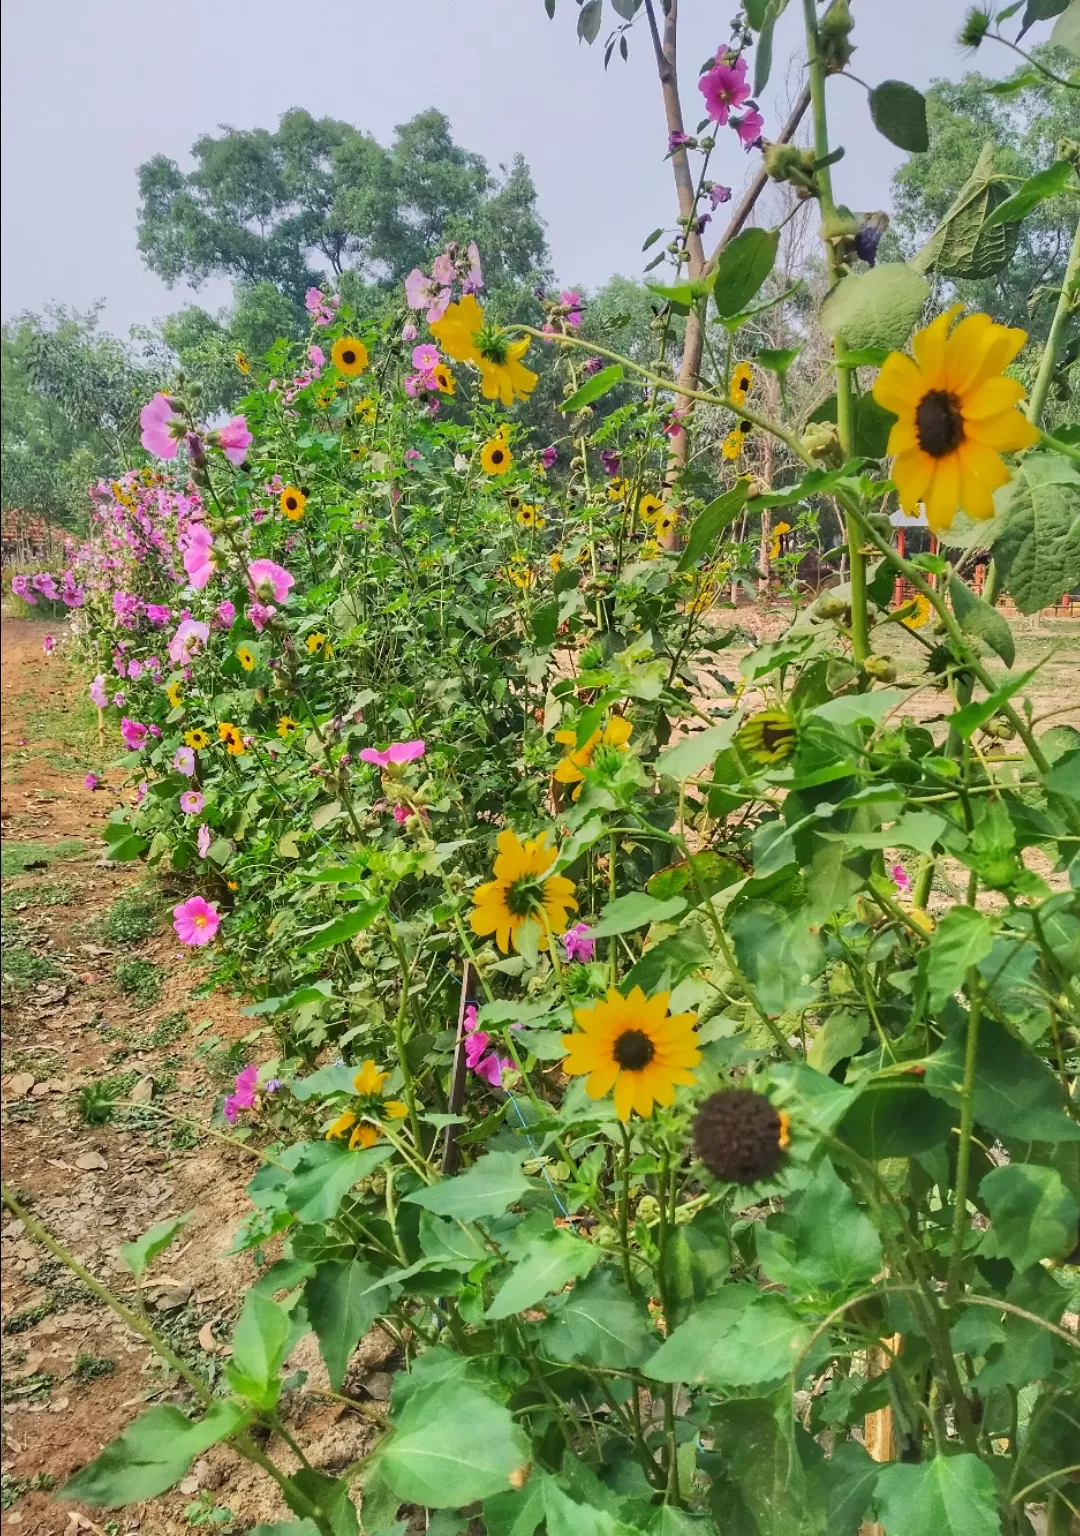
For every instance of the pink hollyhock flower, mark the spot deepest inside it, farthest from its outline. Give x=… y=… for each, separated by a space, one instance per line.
x=313 y=300
x=140 y=793
x=421 y=292
x=226 y=613
x=203 y=840
x=489 y=1066
x=91 y=781
x=549 y=457
x=198 y=559
x=900 y=878
x=577 y=943
x=719 y=194
x=270 y=580
x=162 y=429
x=158 y=614
x=48 y=645
x=473 y=280
x=71 y=594
x=571 y=299
x=723 y=87
x=119 y=699
x=260 y=615
x=442 y=270
x=246 y=1083
x=409 y=331
x=196 y=921
x=191 y=802
x=191 y=635
x=135 y=669
x=672 y=427
x=20 y=585
x=425 y=357
x=234 y=440
x=412 y=455
x=401 y=814
x=397 y=753
x=317 y=355
x=749 y=128
x=184 y=761
x=45 y=584
x=134 y=733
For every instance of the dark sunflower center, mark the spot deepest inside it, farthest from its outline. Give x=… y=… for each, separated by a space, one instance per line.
x=633 y=1050
x=775 y=736
x=497 y=455
x=348 y=357
x=292 y=503
x=939 y=423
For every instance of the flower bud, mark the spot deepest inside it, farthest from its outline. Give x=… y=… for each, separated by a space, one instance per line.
x=881 y=668
x=834 y=32
x=821 y=440
x=830 y=607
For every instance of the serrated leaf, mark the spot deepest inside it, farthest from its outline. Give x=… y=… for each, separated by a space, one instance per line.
x=152 y=1454
x=453 y=1444
x=549 y=1262
x=600 y=1323
x=1055 y=179
x=260 y=1343
x=899 y=114
x=593 y=388
x=1038 y=549
x=960 y=246
x=710 y=523
x=780 y=953
x=737 y=1338
x=979 y=618
x=323 y=1178
x=1016 y=1094
x=342 y=1300
x=876 y=308
x=961 y=939
x=489 y=1188
x=1032 y=1215
x=742 y=267
x=821 y=1241
x=949 y=1493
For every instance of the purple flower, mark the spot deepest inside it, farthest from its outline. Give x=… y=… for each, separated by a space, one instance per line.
x=134 y=733
x=135 y=669
x=48 y=645
x=192 y=802
x=549 y=457
x=20 y=585
x=723 y=87
x=317 y=356
x=868 y=238
x=610 y=461
x=577 y=943
x=45 y=584
x=158 y=614
x=273 y=1085
x=488 y=1065
x=246 y=1083
x=409 y=331
x=233 y=439
x=397 y=753
x=592 y=365
x=677 y=140
x=91 y=781
x=719 y=194
x=571 y=301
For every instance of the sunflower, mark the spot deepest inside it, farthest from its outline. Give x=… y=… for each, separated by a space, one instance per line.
x=734 y=443
x=349 y=356
x=529 y=517
x=649 y=507
x=365 y=409
x=742 y=377
x=230 y=735
x=777 y=536
x=769 y=737
x=922 y=613
x=286 y=726
x=242 y=363
x=361 y=1121
x=196 y=738
x=495 y=456
x=614 y=736
x=617 y=488
x=519 y=892
x=739 y=1135
x=465 y=335
x=521 y=575
x=445 y=382
x=665 y=524
x=634 y=1046
x=650 y=550
x=172 y=693
x=246 y=657
x=315 y=643
x=293 y=502
x=555 y=561
x=957 y=414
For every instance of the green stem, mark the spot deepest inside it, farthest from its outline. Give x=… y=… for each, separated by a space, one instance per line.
x=399 y=1035
x=961 y=1220
x=624 y=1209
x=1057 y=333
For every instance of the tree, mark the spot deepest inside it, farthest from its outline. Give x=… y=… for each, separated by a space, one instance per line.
x=283 y=207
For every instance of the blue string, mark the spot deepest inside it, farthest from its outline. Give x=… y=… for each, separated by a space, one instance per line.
x=536 y=1152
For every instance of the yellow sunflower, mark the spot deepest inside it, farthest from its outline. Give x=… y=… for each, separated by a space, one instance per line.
x=465 y=335
x=316 y=643
x=742 y=377
x=522 y=576
x=617 y=488
x=365 y=409
x=529 y=517
x=734 y=443
x=922 y=613
x=555 y=561
x=286 y=726
x=242 y=363
x=665 y=524
x=519 y=892
x=360 y=1122
x=650 y=550
x=231 y=736
x=957 y=414
x=196 y=739
x=769 y=737
x=246 y=657
x=444 y=379
x=634 y=1046
x=293 y=502
x=649 y=507
x=777 y=537
x=349 y=356
x=614 y=735
x=172 y=693
x=495 y=456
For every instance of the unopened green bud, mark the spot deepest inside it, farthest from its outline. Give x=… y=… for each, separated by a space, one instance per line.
x=881 y=668
x=830 y=607
x=834 y=34
x=821 y=442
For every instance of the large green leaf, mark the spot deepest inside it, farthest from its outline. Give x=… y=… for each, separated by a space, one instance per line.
x=692 y=754
x=260 y=1342
x=876 y=308
x=550 y=1261
x=738 y=1338
x=780 y=954
x=710 y=523
x=956 y=1494
x=324 y=1177
x=743 y=266
x=342 y=1300
x=697 y=1261
x=635 y=910
x=152 y=1454
x=489 y=1188
x=1038 y=549
x=822 y=1241
x=359 y=917
x=452 y=1445
x=961 y=246
x=1016 y=1094
x=961 y=939
x=593 y=388
x=1032 y=1215
x=1049 y=183
x=895 y=1117
x=967 y=720
x=899 y=114
x=566 y=1517
x=600 y=1323
x=771 y=1479
x=979 y=618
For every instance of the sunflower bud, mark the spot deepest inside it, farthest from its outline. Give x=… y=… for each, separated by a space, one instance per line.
x=830 y=607
x=834 y=33
x=999 y=728
x=821 y=441
x=881 y=668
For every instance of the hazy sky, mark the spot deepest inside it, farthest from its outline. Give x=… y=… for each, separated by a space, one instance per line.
x=91 y=88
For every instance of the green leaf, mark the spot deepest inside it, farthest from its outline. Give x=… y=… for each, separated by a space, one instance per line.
x=966 y=721
x=260 y=1343
x=1049 y=183
x=588 y=27
x=1032 y=1215
x=841 y=1036
x=821 y=1241
x=359 y=917
x=1038 y=550
x=960 y=246
x=565 y=1517
x=710 y=522
x=139 y=1255
x=489 y=1188
x=636 y=910
x=781 y=955
x=851 y=708
x=454 y=1444
x=1066 y=33
x=777 y=359
x=743 y=266
x=323 y=1179
x=769 y=1474
x=342 y=1300
x=915 y=829
x=876 y=308
x=652 y=239
x=329 y=1494
x=286 y=1528
x=152 y=1454
x=738 y=1338
x=895 y=1118
x=950 y=1493
x=519 y=1512
x=979 y=618
x=695 y=752
x=774 y=9
x=549 y=1262
x=899 y=114
x=697 y=1261
x=1016 y=1094
x=961 y=939
x=593 y=388
x=600 y=1323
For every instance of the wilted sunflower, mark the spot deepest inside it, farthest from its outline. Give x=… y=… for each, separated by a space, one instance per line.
x=232 y=737
x=520 y=891
x=957 y=415
x=742 y=377
x=615 y=735
x=242 y=363
x=555 y=561
x=286 y=726
x=465 y=335
x=246 y=657
x=293 y=502
x=361 y=1121
x=172 y=693
x=196 y=738
x=349 y=356
x=768 y=737
x=634 y=1046
x=495 y=456
x=649 y=507
x=520 y=575
x=739 y=1135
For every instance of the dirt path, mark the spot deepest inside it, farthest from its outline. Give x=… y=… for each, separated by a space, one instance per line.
x=77 y=931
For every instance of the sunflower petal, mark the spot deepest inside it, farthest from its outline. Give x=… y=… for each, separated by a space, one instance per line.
x=943 y=497
x=912 y=473
x=1007 y=432
x=899 y=386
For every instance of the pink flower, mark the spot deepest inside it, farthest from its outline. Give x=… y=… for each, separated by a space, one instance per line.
x=397 y=753
x=226 y=613
x=473 y=280
x=134 y=733
x=488 y=1066
x=118 y=699
x=317 y=355
x=425 y=357
x=158 y=614
x=749 y=128
x=191 y=802
x=442 y=270
x=421 y=291
x=203 y=839
x=719 y=194
x=45 y=584
x=196 y=921
x=412 y=455
x=135 y=669
x=578 y=944
x=20 y=585
x=549 y=457
x=260 y=615
x=198 y=560
x=571 y=300
x=409 y=331
x=246 y=1083
x=900 y=878
x=723 y=87
x=270 y=580
x=234 y=440
x=162 y=429
x=48 y=645
x=184 y=761
x=401 y=814
x=191 y=635
x=320 y=307
x=91 y=781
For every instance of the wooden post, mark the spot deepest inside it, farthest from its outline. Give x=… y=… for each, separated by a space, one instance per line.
x=457 y=1080
x=879 y=1431
x=898 y=585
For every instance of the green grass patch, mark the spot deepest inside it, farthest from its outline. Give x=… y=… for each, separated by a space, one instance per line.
x=47 y=894
x=17 y=858
x=22 y=968
x=92 y=1367
x=139 y=980
x=131 y=919
x=12 y=1488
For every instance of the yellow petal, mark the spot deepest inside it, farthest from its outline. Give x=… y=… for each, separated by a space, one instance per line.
x=618 y=731
x=396 y=1109
x=991 y=397
x=1007 y=432
x=624 y=1095
x=929 y=347
x=943 y=496
x=966 y=351
x=899 y=386
x=912 y=473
